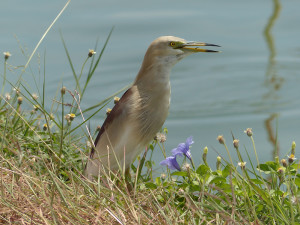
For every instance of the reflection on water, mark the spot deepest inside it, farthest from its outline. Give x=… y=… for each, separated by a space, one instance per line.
x=273 y=80
x=211 y=95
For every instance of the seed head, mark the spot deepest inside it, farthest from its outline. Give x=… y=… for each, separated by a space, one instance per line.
x=242 y=165
x=63 y=90
x=51 y=116
x=180 y=191
x=36 y=107
x=294 y=200
x=91 y=53
x=291 y=158
x=236 y=143
x=6 y=55
x=221 y=139
x=67 y=117
x=281 y=170
x=283 y=162
x=98 y=128
x=35 y=96
x=116 y=99
x=108 y=110
x=249 y=132
x=72 y=116
x=7 y=96
x=160 y=137
x=17 y=91
x=20 y=100
x=186 y=167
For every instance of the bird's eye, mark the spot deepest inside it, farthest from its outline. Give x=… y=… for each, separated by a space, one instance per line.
x=172 y=44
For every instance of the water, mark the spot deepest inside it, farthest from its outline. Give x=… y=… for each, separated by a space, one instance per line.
x=253 y=83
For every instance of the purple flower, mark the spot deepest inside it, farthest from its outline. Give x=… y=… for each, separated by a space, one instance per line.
x=171 y=163
x=184 y=148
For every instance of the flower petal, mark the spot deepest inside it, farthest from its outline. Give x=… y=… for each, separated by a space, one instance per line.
x=189 y=141
x=176 y=152
x=171 y=162
x=182 y=147
x=188 y=155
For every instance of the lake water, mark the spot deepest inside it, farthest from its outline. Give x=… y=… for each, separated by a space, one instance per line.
x=253 y=83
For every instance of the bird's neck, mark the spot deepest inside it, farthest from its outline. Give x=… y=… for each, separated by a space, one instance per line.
x=154 y=74
x=151 y=100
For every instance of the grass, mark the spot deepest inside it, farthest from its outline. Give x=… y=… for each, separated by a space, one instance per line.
x=43 y=152
x=42 y=183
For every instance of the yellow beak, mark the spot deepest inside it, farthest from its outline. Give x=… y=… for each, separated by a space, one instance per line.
x=194 y=46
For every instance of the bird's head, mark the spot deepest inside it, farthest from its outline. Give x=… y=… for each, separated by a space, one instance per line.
x=169 y=50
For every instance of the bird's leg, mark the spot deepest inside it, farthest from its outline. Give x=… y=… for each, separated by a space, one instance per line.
x=128 y=179
x=127 y=173
x=142 y=161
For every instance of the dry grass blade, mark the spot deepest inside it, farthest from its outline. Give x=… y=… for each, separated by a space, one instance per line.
x=46 y=32
x=114 y=216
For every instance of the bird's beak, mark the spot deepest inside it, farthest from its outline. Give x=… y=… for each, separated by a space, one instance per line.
x=194 y=46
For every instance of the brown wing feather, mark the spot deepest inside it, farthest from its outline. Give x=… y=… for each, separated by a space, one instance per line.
x=115 y=112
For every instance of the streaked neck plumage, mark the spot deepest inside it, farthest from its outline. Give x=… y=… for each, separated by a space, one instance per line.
x=153 y=90
x=157 y=65
x=154 y=71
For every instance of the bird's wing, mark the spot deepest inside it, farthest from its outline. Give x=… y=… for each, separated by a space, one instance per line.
x=117 y=110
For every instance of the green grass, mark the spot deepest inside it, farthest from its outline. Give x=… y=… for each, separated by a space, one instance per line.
x=43 y=153
x=42 y=183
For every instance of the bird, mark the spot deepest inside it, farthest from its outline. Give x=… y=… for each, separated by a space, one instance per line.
x=142 y=110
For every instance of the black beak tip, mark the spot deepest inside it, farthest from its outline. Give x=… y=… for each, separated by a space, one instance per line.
x=207 y=44
x=208 y=50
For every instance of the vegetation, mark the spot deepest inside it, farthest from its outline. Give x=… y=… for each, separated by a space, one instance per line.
x=43 y=155
x=43 y=152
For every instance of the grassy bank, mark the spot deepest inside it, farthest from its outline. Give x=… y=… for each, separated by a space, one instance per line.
x=43 y=150
x=43 y=153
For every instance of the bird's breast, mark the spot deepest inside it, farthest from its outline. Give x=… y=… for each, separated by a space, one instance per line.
x=153 y=108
